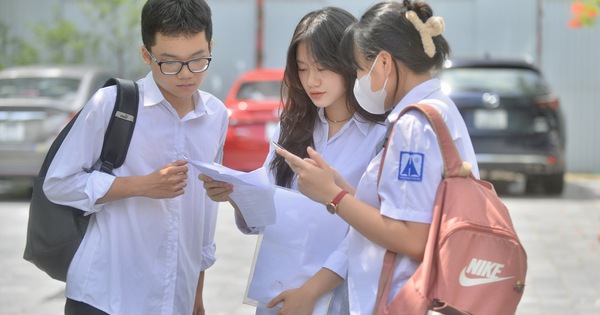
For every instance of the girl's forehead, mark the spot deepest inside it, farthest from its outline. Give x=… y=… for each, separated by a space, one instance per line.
x=304 y=54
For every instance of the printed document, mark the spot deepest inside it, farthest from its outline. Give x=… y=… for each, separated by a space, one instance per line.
x=290 y=252
x=253 y=192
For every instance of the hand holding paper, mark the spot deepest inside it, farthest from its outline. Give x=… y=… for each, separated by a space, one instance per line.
x=216 y=190
x=253 y=192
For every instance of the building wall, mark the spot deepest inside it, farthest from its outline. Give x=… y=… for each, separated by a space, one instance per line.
x=570 y=61
x=473 y=28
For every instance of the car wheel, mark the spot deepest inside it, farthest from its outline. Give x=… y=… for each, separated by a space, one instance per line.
x=554 y=184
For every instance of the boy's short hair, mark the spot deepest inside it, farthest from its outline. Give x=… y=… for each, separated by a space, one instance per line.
x=175 y=18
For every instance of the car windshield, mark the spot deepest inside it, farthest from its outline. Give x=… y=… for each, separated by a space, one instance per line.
x=259 y=90
x=507 y=81
x=53 y=88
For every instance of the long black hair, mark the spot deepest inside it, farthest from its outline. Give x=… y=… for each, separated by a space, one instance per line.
x=321 y=31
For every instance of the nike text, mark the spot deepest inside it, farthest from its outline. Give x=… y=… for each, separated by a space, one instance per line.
x=485 y=272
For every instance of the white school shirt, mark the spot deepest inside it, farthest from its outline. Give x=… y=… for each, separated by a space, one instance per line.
x=140 y=255
x=349 y=152
x=412 y=171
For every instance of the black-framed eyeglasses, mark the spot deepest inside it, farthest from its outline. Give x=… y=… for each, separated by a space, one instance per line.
x=170 y=67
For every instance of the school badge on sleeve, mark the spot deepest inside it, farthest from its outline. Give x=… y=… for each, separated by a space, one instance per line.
x=411 y=166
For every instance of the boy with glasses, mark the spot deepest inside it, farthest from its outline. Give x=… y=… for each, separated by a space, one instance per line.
x=152 y=232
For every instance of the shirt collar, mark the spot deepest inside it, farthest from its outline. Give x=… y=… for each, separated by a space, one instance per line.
x=153 y=96
x=321 y=114
x=203 y=105
x=417 y=94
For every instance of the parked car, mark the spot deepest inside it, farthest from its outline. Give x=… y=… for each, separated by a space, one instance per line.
x=514 y=120
x=253 y=102
x=36 y=102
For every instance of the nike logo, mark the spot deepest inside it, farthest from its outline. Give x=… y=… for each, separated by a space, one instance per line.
x=485 y=271
x=469 y=282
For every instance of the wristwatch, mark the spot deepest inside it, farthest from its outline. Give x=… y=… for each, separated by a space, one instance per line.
x=332 y=206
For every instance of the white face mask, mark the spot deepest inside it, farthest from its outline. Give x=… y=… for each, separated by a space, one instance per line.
x=372 y=102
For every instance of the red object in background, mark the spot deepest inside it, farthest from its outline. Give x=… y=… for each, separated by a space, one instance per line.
x=584 y=13
x=253 y=103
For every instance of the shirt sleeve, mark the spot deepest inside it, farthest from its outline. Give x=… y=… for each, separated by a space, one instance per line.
x=223 y=135
x=209 y=247
x=412 y=170
x=210 y=211
x=338 y=260
x=208 y=256
x=72 y=179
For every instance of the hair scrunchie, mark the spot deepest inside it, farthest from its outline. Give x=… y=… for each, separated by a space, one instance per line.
x=433 y=27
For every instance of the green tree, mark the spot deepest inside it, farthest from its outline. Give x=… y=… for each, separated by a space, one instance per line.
x=109 y=27
x=120 y=21
x=64 y=42
x=14 y=51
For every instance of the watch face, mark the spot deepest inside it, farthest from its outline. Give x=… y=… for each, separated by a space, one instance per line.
x=330 y=207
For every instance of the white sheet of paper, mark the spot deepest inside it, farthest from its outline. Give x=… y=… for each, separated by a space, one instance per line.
x=291 y=251
x=253 y=191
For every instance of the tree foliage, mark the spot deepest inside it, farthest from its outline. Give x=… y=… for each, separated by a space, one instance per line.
x=120 y=28
x=103 y=37
x=63 y=42
x=14 y=51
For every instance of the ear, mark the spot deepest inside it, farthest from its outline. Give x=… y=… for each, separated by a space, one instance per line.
x=145 y=55
x=210 y=46
x=388 y=61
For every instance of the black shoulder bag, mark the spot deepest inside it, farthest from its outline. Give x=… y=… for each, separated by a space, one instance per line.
x=54 y=231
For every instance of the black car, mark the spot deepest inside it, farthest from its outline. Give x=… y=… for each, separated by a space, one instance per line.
x=514 y=120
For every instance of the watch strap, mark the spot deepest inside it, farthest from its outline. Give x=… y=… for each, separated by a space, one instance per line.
x=339 y=197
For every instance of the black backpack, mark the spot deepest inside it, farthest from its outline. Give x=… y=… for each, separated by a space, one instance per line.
x=54 y=231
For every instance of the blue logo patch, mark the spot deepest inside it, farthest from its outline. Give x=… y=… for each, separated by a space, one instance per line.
x=411 y=166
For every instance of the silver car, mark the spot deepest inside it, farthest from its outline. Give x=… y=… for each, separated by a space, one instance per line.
x=36 y=102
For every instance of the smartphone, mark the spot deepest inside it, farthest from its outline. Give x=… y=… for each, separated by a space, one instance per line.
x=276 y=145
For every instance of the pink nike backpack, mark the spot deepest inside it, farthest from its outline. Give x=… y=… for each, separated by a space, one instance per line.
x=474 y=262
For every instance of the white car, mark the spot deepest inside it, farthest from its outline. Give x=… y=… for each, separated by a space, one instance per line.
x=36 y=102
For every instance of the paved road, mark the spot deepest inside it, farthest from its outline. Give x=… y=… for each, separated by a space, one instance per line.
x=561 y=236
x=24 y=290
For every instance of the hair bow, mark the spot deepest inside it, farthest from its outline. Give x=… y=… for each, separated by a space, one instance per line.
x=433 y=27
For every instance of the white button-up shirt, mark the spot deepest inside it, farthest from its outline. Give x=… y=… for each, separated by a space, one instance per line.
x=412 y=171
x=140 y=255
x=349 y=152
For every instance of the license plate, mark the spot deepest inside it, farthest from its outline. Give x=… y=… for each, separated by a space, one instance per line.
x=12 y=132
x=491 y=119
x=269 y=130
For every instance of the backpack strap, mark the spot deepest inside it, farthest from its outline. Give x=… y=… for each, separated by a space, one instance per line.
x=452 y=159
x=453 y=163
x=122 y=122
x=453 y=167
